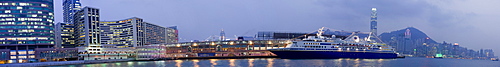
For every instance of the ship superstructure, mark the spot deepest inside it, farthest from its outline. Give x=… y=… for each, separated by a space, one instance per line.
x=330 y=47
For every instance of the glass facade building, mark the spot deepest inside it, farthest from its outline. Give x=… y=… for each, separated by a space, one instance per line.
x=70 y=7
x=24 y=26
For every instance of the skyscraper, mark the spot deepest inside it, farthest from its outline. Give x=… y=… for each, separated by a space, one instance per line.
x=87 y=30
x=70 y=7
x=24 y=26
x=222 y=35
x=373 y=21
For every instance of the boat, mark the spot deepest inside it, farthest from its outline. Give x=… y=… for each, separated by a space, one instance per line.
x=322 y=47
x=494 y=59
x=439 y=56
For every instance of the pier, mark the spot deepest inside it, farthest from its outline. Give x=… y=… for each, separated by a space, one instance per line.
x=211 y=49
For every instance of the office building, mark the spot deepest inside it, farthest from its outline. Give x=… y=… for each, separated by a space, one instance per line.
x=24 y=26
x=87 y=31
x=64 y=35
x=69 y=8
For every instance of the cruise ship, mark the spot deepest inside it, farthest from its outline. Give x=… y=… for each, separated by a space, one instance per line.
x=321 y=47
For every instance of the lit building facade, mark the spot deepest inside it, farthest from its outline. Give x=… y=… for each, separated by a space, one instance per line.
x=222 y=35
x=226 y=48
x=154 y=34
x=24 y=26
x=87 y=31
x=56 y=54
x=64 y=35
x=134 y=32
x=70 y=7
x=373 y=21
x=172 y=35
x=120 y=34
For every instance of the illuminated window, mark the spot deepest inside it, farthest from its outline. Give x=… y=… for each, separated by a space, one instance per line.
x=32 y=56
x=44 y=5
x=7 y=11
x=12 y=57
x=43 y=38
x=22 y=56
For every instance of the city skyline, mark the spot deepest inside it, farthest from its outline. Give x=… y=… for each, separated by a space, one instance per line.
x=453 y=24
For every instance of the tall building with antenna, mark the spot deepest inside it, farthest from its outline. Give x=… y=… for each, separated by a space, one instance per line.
x=373 y=21
x=222 y=35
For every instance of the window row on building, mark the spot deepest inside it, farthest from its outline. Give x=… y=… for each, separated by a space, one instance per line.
x=89 y=34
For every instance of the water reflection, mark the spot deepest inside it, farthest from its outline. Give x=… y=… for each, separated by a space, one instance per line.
x=356 y=62
x=195 y=63
x=270 y=62
x=250 y=62
x=231 y=62
x=213 y=62
x=380 y=62
x=130 y=64
x=287 y=62
x=258 y=62
x=158 y=63
x=118 y=64
x=178 y=63
x=338 y=62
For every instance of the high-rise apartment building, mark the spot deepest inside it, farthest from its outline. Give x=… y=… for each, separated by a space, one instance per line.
x=25 y=25
x=172 y=35
x=133 y=32
x=120 y=34
x=87 y=31
x=153 y=34
x=70 y=7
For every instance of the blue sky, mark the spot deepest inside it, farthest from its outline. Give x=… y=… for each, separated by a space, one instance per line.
x=471 y=23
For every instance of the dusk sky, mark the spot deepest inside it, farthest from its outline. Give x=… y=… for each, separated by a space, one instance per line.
x=471 y=23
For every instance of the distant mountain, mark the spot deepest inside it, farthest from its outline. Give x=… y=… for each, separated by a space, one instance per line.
x=413 y=32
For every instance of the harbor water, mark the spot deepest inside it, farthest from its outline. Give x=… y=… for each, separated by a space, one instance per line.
x=276 y=62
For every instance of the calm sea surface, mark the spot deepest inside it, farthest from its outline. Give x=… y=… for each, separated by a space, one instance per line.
x=274 y=62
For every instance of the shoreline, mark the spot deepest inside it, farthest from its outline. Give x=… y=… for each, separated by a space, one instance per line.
x=60 y=63
x=125 y=60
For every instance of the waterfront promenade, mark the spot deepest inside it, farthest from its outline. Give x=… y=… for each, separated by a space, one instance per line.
x=60 y=63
